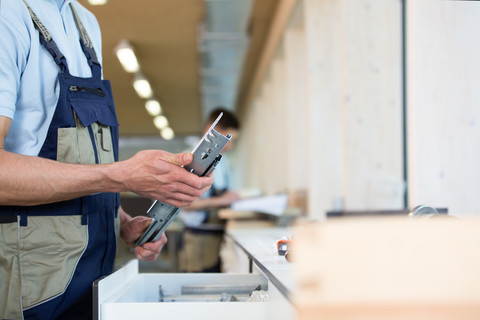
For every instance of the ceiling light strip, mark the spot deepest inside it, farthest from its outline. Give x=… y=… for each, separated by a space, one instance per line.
x=128 y=59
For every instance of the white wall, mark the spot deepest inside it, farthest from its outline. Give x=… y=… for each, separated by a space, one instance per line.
x=444 y=104
x=355 y=72
x=327 y=115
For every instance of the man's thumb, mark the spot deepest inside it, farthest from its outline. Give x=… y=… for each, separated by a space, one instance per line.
x=181 y=159
x=140 y=223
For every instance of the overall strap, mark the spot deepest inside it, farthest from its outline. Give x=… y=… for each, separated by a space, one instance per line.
x=85 y=42
x=47 y=41
x=87 y=45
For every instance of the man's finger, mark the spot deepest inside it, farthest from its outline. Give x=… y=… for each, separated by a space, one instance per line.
x=179 y=159
x=140 y=223
x=145 y=255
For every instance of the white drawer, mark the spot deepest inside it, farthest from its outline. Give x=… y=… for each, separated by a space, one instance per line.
x=127 y=294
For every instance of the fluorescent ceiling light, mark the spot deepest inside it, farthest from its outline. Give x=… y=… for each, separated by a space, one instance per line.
x=160 y=122
x=126 y=55
x=142 y=86
x=167 y=133
x=97 y=2
x=153 y=107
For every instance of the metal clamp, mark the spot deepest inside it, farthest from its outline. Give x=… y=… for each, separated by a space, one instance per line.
x=206 y=156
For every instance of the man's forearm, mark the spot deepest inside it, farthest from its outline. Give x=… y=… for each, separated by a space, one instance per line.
x=26 y=180
x=202 y=204
x=223 y=200
x=154 y=174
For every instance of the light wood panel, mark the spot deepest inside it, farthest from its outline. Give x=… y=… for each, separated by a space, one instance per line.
x=443 y=104
x=328 y=99
x=388 y=268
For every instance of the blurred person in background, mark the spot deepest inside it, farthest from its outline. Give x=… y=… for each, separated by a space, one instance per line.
x=204 y=231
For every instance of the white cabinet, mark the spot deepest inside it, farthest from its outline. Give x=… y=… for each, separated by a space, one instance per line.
x=127 y=294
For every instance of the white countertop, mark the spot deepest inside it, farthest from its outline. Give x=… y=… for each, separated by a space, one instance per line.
x=260 y=246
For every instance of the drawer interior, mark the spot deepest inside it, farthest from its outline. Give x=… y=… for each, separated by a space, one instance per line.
x=126 y=294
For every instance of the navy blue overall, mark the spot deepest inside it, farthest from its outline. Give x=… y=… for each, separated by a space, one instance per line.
x=82 y=102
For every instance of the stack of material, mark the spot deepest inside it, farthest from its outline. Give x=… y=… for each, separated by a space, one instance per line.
x=388 y=268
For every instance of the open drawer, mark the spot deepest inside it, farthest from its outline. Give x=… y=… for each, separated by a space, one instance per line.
x=128 y=294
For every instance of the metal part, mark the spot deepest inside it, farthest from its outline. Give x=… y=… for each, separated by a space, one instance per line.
x=214 y=293
x=220 y=288
x=423 y=210
x=206 y=156
x=224 y=297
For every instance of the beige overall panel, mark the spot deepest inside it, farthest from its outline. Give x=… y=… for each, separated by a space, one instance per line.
x=50 y=248
x=69 y=142
x=10 y=303
x=103 y=140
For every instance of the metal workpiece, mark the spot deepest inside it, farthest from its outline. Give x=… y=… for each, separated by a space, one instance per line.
x=162 y=214
x=206 y=156
x=221 y=288
x=206 y=153
x=216 y=293
x=422 y=210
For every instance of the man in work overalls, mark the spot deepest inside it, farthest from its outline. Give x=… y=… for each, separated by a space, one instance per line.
x=59 y=169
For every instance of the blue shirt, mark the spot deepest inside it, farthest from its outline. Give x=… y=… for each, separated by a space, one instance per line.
x=29 y=87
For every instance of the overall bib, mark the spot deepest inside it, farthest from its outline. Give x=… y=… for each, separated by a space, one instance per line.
x=50 y=254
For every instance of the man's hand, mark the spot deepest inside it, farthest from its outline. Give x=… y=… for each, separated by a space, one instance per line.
x=158 y=174
x=132 y=228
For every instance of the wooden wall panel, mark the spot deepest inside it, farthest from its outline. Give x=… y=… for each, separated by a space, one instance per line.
x=444 y=104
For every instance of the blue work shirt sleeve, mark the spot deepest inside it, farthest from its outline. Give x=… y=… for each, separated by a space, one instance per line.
x=14 y=48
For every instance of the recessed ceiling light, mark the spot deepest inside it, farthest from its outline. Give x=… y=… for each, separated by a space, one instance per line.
x=97 y=2
x=153 y=107
x=127 y=57
x=160 y=122
x=142 y=87
x=167 y=133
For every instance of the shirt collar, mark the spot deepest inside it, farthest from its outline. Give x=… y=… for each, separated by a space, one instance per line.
x=62 y=4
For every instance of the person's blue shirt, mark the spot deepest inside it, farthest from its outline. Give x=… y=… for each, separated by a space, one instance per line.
x=28 y=75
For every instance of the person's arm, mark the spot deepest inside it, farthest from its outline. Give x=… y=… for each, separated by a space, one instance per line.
x=155 y=174
x=223 y=200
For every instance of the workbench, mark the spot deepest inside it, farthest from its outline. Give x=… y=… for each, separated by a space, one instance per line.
x=256 y=253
